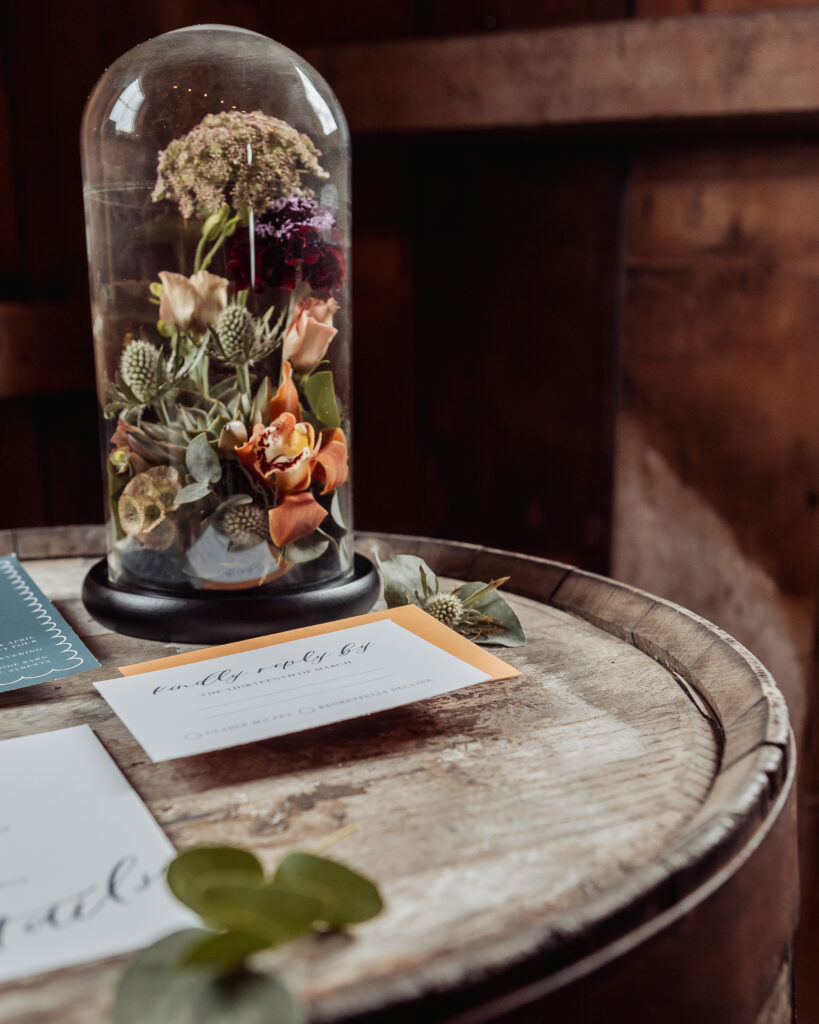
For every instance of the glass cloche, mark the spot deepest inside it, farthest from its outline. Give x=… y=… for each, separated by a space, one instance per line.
x=217 y=199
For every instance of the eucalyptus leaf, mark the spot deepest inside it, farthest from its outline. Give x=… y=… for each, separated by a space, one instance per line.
x=307 y=549
x=192 y=492
x=331 y=541
x=155 y=990
x=229 y=949
x=260 y=409
x=153 y=987
x=493 y=605
x=203 y=464
x=320 y=393
x=335 y=512
x=345 y=896
x=274 y=915
x=402 y=578
x=187 y=868
x=233 y=501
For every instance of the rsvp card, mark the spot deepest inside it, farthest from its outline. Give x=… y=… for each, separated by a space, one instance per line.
x=36 y=643
x=258 y=689
x=82 y=861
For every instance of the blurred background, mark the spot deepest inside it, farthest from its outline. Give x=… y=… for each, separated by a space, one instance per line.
x=586 y=288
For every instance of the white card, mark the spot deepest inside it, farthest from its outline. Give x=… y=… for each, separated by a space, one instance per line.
x=258 y=692
x=82 y=861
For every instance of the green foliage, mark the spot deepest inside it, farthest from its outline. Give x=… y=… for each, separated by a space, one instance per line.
x=154 y=989
x=191 y=871
x=307 y=549
x=200 y=976
x=320 y=393
x=204 y=466
x=486 y=617
x=344 y=897
x=489 y=603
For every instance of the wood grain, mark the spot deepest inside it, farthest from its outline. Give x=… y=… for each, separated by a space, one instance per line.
x=720 y=405
x=32 y=362
x=751 y=65
x=549 y=816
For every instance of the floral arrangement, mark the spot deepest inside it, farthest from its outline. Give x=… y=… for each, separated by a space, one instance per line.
x=227 y=447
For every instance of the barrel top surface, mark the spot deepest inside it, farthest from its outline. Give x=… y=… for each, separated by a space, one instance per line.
x=513 y=826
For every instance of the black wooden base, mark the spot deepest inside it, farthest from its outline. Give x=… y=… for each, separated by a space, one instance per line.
x=210 y=617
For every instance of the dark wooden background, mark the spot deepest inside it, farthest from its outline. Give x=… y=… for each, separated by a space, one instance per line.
x=586 y=289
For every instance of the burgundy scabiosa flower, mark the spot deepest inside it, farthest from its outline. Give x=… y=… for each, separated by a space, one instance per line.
x=297 y=239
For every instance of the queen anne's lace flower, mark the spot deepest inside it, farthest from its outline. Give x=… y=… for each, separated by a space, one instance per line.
x=242 y=160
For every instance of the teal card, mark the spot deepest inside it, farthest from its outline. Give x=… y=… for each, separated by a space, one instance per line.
x=36 y=643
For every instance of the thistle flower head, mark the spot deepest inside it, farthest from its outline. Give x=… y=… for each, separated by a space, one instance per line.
x=234 y=158
x=236 y=331
x=446 y=608
x=245 y=525
x=141 y=367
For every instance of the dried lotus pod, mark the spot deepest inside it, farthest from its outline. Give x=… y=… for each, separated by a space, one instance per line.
x=145 y=505
x=158 y=537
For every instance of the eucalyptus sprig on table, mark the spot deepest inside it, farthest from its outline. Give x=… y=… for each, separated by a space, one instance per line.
x=201 y=975
x=475 y=610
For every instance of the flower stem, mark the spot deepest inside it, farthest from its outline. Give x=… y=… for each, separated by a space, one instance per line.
x=204 y=369
x=197 y=262
x=243 y=377
x=162 y=411
x=226 y=231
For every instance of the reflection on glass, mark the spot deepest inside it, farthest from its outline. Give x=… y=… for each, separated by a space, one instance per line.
x=127 y=107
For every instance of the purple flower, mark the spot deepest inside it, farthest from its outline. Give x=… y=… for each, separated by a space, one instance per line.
x=296 y=239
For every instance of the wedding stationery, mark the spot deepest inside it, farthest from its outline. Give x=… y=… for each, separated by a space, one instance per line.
x=81 y=859
x=270 y=686
x=36 y=643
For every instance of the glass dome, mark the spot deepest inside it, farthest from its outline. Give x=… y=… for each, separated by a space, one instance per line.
x=217 y=199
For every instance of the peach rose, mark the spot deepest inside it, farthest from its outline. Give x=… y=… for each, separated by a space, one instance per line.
x=309 y=333
x=192 y=302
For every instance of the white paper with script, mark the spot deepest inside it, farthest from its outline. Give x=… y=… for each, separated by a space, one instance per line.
x=284 y=688
x=81 y=859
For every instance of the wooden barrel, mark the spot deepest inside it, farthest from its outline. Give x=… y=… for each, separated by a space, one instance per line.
x=610 y=836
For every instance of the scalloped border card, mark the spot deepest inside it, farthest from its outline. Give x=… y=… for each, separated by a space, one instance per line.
x=36 y=643
x=288 y=682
